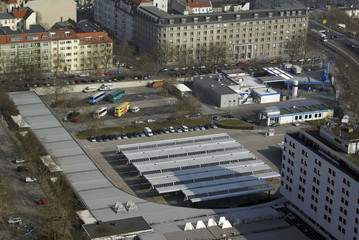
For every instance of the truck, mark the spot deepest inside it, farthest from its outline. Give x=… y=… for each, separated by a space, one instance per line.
x=296 y=69
x=322 y=35
x=106 y=87
x=158 y=84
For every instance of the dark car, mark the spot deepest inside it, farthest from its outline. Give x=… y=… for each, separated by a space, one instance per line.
x=110 y=137
x=207 y=126
x=135 y=134
x=212 y=125
x=22 y=169
x=84 y=81
x=99 y=139
x=117 y=136
x=123 y=135
x=129 y=135
x=104 y=138
x=228 y=116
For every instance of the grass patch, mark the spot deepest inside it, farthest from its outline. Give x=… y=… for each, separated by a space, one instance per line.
x=232 y=122
x=136 y=127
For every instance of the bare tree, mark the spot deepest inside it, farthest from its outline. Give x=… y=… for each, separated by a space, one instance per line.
x=217 y=54
x=296 y=47
x=164 y=53
x=123 y=52
x=105 y=56
x=146 y=64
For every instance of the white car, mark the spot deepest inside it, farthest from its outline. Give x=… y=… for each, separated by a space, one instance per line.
x=14 y=220
x=30 y=179
x=84 y=75
x=135 y=109
x=296 y=123
x=171 y=129
x=149 y=120
x=19 y=160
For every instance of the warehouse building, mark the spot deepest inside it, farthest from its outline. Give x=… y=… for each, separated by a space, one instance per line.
x=291 y=112
x=201 y=168
x=229 y=90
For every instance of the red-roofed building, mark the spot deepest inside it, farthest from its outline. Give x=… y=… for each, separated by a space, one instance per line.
x=192 y=6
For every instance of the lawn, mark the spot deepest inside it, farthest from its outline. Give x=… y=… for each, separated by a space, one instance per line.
x=136 y=127
x=232 y=122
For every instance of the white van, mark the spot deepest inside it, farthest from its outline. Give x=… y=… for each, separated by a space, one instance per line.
x=90 y=89
x=106 y=87
x=99 y=113
x=148 y=131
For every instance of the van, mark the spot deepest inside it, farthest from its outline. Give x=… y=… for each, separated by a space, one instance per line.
x=99 y=113
x=90 y=89
x=148 y=131
x=135 y=109
x=106 y=87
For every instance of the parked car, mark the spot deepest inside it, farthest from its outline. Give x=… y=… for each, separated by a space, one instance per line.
x=15 y=220
x=171 y=129
x=43 y=201
x=84 y=75
x=109 y=73
x=135 y=109
x=129 y=135
x=117 y=136
x=196 y=115
x=178 y=129
x=123 y=136
x=22 y=169
x=110 y=137
x=142 y=134
x=160 y=131
x=99 y=139
x=104 y=138
x=212 y=125
x=30 y=179
x=77 y=82
x=165 y=130
x=99 y=74
x=92 y=139
x=135 y=134
x=201 y=127
x=184 y=128
x=149 y=120
x=296 y=123
x=19 y=160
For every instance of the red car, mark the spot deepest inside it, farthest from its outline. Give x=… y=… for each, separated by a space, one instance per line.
x=43 y=201
x=77 y=81
x=99 y=74
x=109 y=73
x=18 y=79
x=160 y=131
x=241 y=64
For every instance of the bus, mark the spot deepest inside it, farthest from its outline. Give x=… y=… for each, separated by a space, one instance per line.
x=99 y=113
x=117 y=95
x=97 y=97
x=122 y=109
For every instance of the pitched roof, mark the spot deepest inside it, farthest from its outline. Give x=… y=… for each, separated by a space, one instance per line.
x=22 y=13
x=25 y=37
x=95 y=38
x=10 y=1
x=196 y=3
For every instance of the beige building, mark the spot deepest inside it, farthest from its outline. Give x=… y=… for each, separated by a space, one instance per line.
x=51 y=11
x=18 y=19
x=238 y=34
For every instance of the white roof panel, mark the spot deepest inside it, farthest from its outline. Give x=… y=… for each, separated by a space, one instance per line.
x=77 y=163
x=88 y=180
x=41 y=122
x=34 y=110
x=53 y=134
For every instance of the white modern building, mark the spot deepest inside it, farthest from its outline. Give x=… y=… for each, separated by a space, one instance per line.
x=320 y=173
x=299 y=111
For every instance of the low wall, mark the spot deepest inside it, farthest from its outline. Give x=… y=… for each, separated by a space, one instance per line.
x=80 y=87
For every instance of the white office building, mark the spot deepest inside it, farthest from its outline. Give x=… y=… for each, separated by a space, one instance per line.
x=320 y=173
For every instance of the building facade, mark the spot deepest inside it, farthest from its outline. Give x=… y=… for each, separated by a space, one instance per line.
x=83 y=47
x=320 y=172
x=243 y=35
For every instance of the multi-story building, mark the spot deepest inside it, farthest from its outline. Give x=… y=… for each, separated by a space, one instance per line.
x=116 y=16
x=320 y=178
x=9 y=5
x=19 y=18
x=24 y=51
x=81 y=47
x=242 y=34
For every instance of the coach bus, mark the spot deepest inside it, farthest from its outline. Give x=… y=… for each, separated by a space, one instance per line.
x=115 y=96
x=97 y=97
x=99 y=113
x=122 y=109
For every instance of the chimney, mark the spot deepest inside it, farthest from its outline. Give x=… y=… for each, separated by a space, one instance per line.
x=61 y=19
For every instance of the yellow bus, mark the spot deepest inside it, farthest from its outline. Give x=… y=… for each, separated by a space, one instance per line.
x=122 y=109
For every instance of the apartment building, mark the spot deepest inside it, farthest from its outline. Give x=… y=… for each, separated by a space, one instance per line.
x=9 y=5
x=246 y=35
x=320 y=173
x=81 y=47
x=24 y=51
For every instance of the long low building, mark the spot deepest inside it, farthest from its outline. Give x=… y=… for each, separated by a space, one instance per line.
x=201 y=168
